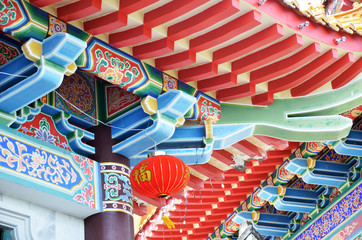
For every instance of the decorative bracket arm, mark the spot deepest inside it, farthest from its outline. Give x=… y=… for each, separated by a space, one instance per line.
x=319 y=172
x=52 y=58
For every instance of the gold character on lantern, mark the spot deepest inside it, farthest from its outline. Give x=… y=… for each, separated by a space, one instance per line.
x=142 y=174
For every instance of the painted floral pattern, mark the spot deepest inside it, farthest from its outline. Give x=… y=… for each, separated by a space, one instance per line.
x=37 y=163
x=56 y=25
x=86 y=196
x=86 y=164
x=43 y=132
x=79 y=92
x=7 y=53
x=115 y=68
x=42 y=127
x=119 y=99
x=336 y=215
x=169 y=83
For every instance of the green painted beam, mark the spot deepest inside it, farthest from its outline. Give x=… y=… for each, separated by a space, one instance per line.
x=309 y=118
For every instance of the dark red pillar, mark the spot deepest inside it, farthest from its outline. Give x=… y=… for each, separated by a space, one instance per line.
x=116 y=220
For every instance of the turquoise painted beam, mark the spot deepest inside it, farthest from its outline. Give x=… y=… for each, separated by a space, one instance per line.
x=55 y=177
x=319 y=172
x=308 y=118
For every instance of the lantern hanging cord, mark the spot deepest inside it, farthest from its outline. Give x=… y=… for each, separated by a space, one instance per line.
x=180 y=220
x=185 y=207
x=163 y=232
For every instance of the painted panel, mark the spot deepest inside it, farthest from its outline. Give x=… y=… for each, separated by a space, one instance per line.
x=118 y=101
x=353 y=231
x=9 y=49
x=36 y=164
x=117 y=190
x=338 y=213
x=42 y=127
x=353 y=113
x=77 y=96
x=52 y=126
x=115 y=66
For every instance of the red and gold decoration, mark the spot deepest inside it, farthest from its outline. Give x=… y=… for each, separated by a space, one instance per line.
x=160 y=176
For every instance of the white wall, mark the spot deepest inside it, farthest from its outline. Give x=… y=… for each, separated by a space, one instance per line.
x=33 y=222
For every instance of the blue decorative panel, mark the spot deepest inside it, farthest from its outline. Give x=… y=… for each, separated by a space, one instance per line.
x=39 y=165
x=339 y=212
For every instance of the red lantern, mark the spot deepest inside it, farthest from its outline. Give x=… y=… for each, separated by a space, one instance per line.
x=160 y=176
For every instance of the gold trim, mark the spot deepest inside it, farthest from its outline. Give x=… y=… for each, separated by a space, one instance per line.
x=311 y=163
x=149 y=105
x=32 y=49
x=255 y=216
x=281 y=190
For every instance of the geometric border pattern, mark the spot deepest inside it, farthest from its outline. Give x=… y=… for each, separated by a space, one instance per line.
x=341 y=209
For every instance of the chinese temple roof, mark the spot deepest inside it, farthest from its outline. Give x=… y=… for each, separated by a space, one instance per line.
x=243 y=52
x=236 y=51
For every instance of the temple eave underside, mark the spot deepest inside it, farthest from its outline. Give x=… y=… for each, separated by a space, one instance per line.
x=261 y=99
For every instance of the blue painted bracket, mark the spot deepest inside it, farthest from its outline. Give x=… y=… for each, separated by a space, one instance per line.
x=351 y=145
x=290 y=199
x=191 y=156
x=26 y=114
x=319 y=172
x=171 y=106
x=32 y=75
x=189 y=144
x=161 y=129
x=296 y=217
x=223 y=135
x=130 y=123
x=266 y=223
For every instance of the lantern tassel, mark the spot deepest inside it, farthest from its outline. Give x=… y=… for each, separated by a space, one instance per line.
x=168 y=222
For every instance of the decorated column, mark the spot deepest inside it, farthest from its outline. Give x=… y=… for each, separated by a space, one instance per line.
x=116 y=219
